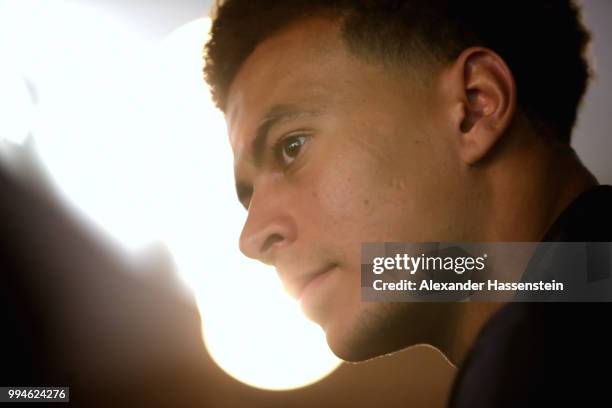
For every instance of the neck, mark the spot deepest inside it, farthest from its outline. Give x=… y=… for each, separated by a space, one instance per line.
x=470 y=318
x=527 y=187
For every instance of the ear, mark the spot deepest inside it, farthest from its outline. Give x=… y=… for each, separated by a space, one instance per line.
x=484 y=99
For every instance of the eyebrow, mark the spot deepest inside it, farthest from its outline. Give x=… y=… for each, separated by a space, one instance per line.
x=273 y=117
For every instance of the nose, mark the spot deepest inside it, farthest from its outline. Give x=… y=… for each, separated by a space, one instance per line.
x=269 y=228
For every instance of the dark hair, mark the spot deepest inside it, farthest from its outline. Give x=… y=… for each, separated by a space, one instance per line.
x=543 y=42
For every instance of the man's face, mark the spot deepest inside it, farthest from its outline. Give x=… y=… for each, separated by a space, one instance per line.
x=332 y=151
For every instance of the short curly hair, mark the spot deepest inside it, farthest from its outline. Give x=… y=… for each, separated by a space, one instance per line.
x=543 y=42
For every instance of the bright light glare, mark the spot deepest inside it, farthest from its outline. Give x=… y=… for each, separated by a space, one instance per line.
x=259 y=335
x=86 y=70
x=15 y=106
x=130 y=135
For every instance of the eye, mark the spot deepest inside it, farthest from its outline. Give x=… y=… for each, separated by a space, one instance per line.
x=288 y=148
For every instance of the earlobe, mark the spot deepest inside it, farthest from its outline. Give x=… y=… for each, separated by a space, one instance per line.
x=488 y=98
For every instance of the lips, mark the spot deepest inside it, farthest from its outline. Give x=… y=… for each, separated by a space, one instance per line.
x=297 y=286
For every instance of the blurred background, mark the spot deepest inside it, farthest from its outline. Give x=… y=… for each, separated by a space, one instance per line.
x=120 y=274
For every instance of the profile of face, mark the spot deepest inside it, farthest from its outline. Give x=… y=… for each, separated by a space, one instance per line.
x=332 y=151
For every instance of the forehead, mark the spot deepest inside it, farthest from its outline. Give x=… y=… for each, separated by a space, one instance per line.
x=293 y=67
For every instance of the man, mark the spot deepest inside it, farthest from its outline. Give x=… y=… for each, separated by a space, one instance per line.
x=410 y=121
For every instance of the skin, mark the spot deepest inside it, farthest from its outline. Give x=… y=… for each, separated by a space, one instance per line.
x=372 y=153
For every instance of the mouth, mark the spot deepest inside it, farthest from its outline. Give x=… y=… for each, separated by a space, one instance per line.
x=309 y=285
x=300 y=288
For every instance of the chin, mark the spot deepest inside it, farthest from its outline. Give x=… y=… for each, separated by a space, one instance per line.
x=370 y=333
x=348 y=352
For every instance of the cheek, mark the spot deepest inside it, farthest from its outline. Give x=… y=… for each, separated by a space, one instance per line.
x=345 y=197
x=347 y=205
x=364 y=201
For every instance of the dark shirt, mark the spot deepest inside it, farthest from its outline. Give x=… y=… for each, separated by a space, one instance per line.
x=539 y=354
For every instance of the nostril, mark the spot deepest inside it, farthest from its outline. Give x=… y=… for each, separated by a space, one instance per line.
x=270 y=241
